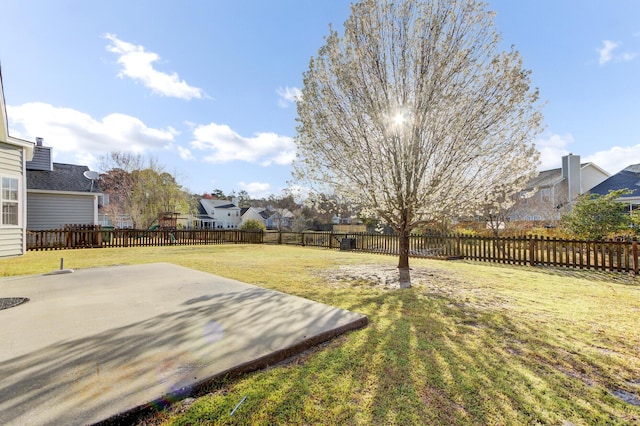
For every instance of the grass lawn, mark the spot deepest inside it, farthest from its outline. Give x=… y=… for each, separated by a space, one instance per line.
x=469 y=343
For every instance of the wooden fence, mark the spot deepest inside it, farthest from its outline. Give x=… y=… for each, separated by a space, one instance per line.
x=612 y=255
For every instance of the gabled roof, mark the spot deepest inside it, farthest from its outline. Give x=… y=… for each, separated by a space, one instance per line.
x=210 y=205
x=547 y=178
x=628 y=178
x=63 y=177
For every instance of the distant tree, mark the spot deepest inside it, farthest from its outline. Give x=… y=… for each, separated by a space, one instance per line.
x=218 y=194
x=140 y=190
x=414 y=113
x=244 y=199
x=253 y=224
x=596 y=216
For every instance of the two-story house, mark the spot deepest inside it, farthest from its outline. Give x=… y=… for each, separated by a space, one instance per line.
x=551 y=193
x=218 y=214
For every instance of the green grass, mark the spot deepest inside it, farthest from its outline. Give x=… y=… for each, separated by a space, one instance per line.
x=473 y=344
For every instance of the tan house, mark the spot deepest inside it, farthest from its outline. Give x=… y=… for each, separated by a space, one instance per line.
x=551 y=193
x=14 y=153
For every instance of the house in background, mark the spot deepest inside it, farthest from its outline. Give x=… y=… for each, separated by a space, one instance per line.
x=254 y=213
x=628 y=178
x=13 y=191
x=217 y=214
x=59 y=194
x=552 y=192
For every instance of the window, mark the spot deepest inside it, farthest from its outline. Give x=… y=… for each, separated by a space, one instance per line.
x=10 y=200
x=544 y=193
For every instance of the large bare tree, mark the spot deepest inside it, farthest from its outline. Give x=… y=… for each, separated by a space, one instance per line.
x=416 y=113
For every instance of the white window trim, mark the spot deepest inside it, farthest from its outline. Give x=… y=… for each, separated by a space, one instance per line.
x=20 y=202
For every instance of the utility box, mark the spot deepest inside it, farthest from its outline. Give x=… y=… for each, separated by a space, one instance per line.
x=348 y=244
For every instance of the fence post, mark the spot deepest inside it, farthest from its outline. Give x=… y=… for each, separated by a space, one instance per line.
x=532 y=250
x=634 y=254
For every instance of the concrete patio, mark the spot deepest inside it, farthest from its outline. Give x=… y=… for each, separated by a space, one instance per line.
x=104 y=344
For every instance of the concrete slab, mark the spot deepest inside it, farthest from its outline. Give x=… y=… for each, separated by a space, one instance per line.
x=105 y=342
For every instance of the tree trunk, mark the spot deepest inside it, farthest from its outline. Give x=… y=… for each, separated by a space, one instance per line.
x=403 y=261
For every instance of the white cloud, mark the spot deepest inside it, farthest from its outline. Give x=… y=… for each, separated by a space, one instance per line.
x=225 y=145
x=628 y=56
x=616 y=158
x=288 y=95
x=606 y=52
x=78 y=134
x=552 y=149
x=137 y=64
x=185 y=153
x=256 y=189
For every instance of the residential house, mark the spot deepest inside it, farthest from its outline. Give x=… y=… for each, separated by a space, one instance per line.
x=59 y=194
x=628 y=178
x=551 y=192
x=217 y=214
x=14 y=153
x=281 y=219
x=254 y=213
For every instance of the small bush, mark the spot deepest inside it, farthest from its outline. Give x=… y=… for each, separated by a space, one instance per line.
x=253 y=224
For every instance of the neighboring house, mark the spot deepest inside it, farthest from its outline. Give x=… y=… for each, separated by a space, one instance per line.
x=218 y=214
x=281 y=219
x=59 y=194
x=628 y=178
x=552 y=192
x=254 y=213
x=13 y=190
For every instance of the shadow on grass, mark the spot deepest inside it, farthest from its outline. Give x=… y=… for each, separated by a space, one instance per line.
x=429 y=360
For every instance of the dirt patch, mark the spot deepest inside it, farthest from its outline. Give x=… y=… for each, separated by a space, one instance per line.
x=432 y=282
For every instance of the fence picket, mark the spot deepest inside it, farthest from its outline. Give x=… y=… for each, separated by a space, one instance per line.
x=618 y=255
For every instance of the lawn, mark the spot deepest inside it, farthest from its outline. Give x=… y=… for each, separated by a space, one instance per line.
x=469 y=343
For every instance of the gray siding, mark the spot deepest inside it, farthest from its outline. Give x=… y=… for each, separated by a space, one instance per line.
x=53 y=211
x=41 y=159
x=10 y=159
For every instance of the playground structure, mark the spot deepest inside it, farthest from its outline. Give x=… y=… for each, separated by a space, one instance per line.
x=167 y=221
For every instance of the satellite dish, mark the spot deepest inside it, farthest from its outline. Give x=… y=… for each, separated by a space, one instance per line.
x=90 y=174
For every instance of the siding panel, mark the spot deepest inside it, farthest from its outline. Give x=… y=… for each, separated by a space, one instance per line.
x=52 y=211
x=10 y=242
x=10 y=159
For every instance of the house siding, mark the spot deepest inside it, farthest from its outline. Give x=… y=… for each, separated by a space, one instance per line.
x=41 y=159
x=10 y=159
x=53 y=211
x=11 y=237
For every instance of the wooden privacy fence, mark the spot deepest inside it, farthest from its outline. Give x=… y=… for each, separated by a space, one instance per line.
x=612 y=255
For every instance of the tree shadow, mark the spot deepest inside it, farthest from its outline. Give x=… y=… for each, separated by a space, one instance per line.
x=163 y=358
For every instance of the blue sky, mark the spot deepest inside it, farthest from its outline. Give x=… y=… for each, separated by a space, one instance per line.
x=206 y=87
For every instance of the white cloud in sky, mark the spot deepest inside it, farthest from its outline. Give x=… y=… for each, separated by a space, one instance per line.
x=552 y=149
x=79 y=134
x=288 y=95
x=185 y=153
x=224 y=145
x=256 y=189
x=137 y=64
x=615 y=159
x=607 y=53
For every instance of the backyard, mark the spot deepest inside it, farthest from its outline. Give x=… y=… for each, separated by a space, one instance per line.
x=469 y=343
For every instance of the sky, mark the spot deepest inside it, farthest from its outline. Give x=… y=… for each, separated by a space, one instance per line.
x=207 y=88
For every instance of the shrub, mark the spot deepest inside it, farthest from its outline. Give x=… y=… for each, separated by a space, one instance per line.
x=253 y=224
